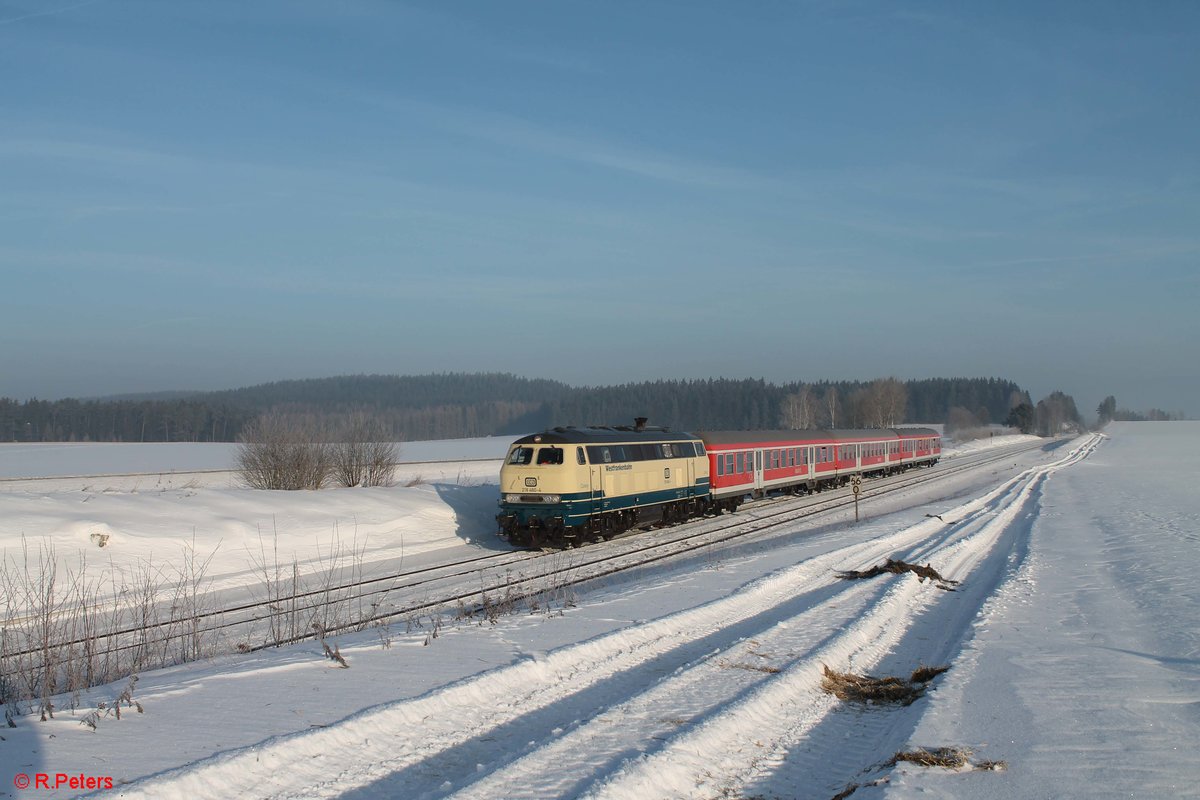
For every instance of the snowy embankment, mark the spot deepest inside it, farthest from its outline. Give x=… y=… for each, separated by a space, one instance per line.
x=132 y=520
x=704 y=680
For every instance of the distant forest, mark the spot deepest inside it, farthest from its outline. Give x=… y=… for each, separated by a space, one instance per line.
x=463 y=405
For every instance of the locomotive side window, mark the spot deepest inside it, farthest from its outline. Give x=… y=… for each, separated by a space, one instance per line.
x=579 y=458
x=521 y=455
x=599 y=454
x=700 y=448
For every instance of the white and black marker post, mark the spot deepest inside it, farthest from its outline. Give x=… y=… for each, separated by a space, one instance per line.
x=856 y=487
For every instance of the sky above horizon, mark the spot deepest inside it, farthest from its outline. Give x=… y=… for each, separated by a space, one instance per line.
x=210 y=195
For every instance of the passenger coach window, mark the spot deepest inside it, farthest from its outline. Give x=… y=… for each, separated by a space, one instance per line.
x=521 y=455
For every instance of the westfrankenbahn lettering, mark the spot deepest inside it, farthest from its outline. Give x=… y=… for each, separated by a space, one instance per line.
x=617 y=467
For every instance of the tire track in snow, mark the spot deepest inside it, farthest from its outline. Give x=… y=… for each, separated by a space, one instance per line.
x=566 y=761
x=376 y=743
x=753 y=736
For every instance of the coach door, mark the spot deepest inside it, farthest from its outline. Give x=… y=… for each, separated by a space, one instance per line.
x=758 y=469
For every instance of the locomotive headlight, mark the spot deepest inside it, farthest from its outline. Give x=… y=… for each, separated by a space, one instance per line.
x=532 y=498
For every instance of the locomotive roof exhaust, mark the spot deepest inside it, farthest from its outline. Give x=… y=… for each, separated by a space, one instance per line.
x=639 y=424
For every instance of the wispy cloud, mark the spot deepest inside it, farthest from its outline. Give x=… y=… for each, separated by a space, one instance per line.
x=47 y=12
x=77 y=150
x=586 y=148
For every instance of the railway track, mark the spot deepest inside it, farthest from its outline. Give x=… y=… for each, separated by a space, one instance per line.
x=471 y=584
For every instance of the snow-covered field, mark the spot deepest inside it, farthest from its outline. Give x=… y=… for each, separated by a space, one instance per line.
x=1072 y=643
x=42 y=460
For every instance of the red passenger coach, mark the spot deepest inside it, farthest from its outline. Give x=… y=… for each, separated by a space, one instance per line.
x=752 y=463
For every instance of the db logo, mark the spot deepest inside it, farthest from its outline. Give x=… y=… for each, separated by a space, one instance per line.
x=21 y=781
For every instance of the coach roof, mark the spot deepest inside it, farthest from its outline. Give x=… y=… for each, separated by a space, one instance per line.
x=776 y=438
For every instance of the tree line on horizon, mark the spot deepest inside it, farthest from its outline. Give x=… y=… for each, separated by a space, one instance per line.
x=457 y=405
x=1107 y=412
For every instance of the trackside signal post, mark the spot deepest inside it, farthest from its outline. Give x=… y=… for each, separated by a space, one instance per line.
x=856 y=487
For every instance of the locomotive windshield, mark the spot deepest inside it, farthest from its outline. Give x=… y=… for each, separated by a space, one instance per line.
x=521 y=455
x=550 y=455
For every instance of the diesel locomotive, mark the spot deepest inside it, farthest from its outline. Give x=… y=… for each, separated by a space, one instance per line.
x=571 y=485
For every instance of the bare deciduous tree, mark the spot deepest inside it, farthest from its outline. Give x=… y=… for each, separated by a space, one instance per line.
x=858 y=410
x=832 y=405
x=364 y=454
x=281 y=452
x=799 y=410
x=959 y=419
x=886 y=401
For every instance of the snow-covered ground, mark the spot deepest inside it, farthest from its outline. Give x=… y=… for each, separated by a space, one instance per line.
x=1072 y=644
x=1083 y=670
x=149 y=503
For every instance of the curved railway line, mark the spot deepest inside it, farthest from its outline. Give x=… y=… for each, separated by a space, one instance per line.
x=429 y=590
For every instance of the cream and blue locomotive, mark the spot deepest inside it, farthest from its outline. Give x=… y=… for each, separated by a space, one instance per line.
x=571 y=485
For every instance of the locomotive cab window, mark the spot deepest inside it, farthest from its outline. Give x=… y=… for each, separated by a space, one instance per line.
x=521 y=455
x=579 y=457
x=550 y=456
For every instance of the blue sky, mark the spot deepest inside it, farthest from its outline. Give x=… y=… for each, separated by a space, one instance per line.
x=213 y=194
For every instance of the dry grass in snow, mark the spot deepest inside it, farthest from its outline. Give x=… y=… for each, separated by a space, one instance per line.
x=897 y=567
x=869 y=690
